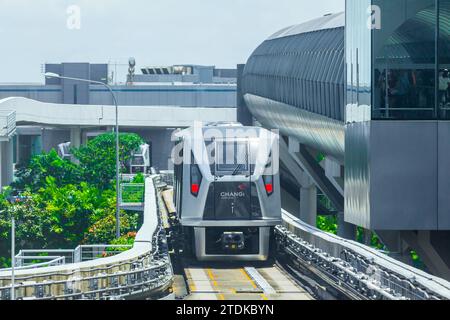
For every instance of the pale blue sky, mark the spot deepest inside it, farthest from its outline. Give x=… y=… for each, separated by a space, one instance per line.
x=155 y=32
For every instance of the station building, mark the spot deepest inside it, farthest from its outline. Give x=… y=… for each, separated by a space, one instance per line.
x=367 y=92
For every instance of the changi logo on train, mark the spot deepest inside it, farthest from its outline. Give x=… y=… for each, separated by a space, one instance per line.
x=229 y=195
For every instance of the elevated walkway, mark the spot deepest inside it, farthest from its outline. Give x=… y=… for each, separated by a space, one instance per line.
x=29 y=111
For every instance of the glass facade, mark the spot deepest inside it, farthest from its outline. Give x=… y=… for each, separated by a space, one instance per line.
x=358 y=53
x=404 y=58
x=444 y=59
x=398 y=59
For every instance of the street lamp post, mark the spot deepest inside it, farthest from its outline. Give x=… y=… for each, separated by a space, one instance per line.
x=13 y=256
x=13 y=252
x=54 y=75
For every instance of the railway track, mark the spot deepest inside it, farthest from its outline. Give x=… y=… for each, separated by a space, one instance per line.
x=196 y=280
x=234 y=281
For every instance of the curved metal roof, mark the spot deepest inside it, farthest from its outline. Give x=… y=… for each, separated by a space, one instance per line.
x=301 y=68
x=294 y=81
x=330 y=21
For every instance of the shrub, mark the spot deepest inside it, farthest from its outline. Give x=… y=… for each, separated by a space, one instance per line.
x=98 y=158
x=64 y=204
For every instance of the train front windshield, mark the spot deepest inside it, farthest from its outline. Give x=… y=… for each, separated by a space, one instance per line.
x=236 y=199
x=232 y=158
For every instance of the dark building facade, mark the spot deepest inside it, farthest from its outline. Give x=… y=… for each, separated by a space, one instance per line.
x=370 y=88
x=76 y=92
x=397 y=112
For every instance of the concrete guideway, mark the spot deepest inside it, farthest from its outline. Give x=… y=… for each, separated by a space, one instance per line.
x=236 y=282
x=366 y=271
x=53 y=123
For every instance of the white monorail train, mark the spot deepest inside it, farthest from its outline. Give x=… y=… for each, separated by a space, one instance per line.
x=227 y=191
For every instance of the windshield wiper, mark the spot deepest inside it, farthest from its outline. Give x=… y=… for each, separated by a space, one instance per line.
x=236 y=171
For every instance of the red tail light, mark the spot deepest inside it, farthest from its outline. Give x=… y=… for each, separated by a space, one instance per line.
x=196 y=178
x=268 y=184
x=195 y=188
x=269 y=188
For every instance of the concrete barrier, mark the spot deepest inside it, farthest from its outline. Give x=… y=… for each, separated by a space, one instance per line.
x=366 y=269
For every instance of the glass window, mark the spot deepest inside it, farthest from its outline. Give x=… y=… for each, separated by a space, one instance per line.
x=404 y=50
x=444 y=59
x=232 y=157
x=358 y=53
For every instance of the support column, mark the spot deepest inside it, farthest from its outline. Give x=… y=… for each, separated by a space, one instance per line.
x=345 y=230
x=75 y=139
x=308 y=204
x=6 y=163
x=18 y=159
x=309 y=164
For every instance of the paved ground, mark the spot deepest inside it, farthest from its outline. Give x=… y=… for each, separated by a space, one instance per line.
x=241 y=282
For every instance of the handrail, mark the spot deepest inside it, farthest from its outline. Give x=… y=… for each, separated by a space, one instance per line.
x=69 y=255
x=7 y=123
x=53 y=261
x=374 y=274
x=142 y=271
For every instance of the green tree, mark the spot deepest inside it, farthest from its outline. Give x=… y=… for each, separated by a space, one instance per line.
x=103 y=230
x=64 y=204
x=33 y=176
x=327 y=224
x=98 y=161
x=70 y=210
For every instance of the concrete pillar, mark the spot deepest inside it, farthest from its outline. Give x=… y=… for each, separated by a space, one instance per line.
x=6 y=163
x=308 y=204
x=345 y=230
x=367 y=237
x=75 y=139
x=17 y=149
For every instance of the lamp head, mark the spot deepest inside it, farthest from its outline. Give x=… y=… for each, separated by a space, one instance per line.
x=51 y=75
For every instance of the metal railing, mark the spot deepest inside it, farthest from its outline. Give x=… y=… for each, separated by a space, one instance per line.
x=27 y=258
x=143 y=271
x=7 y=123
x=52 y=261
x=364 y=270
x=166 y=177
